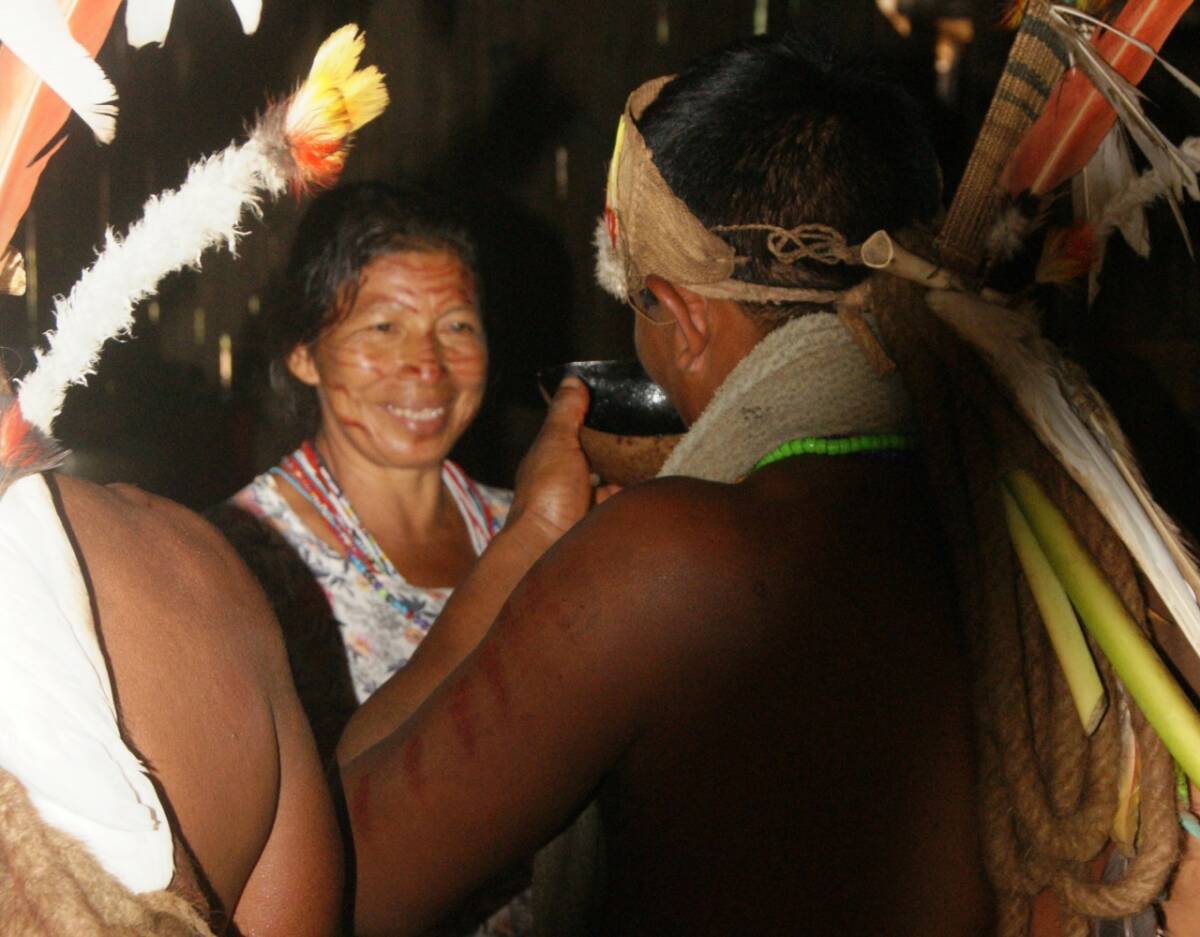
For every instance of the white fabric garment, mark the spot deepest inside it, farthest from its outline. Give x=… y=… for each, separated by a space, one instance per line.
x=58 y=722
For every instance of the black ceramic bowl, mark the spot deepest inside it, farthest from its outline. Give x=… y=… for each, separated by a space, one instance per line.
x=631 y=426
x=624 y=401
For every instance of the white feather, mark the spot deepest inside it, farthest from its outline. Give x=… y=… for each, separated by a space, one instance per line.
x=1178 y=176
x=1063 y=410
x=610 y=272
x=249 y=13
x=36 y=32
x=174 y=231
x=149 y=21
x=1139 y=193
x=1107 y=175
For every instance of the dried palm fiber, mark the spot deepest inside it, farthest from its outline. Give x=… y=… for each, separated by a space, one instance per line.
x=1048 y=793
x=51 y=886
x=1035 y=62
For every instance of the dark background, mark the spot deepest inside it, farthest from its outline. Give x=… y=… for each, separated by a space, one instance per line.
x=509 y=107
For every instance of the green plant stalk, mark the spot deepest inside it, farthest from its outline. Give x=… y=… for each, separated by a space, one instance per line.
x=1066 y=637
x=1133 y=658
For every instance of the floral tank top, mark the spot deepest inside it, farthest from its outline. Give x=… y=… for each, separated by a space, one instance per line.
x=379 y=635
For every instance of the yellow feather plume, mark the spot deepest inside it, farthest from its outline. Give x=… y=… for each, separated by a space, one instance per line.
x=335 y=100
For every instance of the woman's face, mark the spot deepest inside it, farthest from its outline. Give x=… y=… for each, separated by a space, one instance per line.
x=401 y=376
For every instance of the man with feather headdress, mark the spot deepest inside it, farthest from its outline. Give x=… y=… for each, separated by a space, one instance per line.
x=749 y=662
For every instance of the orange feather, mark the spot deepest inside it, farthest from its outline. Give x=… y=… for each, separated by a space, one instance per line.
x=1076 y=118
x=33 y=114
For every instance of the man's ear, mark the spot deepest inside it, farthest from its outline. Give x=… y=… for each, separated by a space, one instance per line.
x=304 y=369
x=691 y=314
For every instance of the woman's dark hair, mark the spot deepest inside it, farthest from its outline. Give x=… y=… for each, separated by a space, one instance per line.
x=773 y=130
x=343 y=231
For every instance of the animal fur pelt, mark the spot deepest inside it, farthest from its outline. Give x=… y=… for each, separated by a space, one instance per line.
x=51 y=886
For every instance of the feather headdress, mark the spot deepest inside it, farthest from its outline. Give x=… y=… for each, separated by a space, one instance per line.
x=300 y=142
x=1082 y=132
x=45 y=70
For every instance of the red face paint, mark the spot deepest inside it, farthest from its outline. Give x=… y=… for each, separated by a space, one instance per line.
x=401 y=375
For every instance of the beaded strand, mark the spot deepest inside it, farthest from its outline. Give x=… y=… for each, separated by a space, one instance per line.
x=838 y=445
x=305 y=471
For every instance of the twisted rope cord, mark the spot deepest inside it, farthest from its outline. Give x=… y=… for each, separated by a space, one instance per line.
x=1047 y=792
x=809 y=241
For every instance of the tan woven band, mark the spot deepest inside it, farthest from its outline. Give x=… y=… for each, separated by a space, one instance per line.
x=647 y=229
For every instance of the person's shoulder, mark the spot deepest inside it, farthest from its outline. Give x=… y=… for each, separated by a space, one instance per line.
x=129 y=533
x=683 y=534
x=675 y=512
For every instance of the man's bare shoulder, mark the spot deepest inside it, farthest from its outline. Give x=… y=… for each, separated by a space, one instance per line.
x=682 y=552
x=127 y=526
x=205 y=695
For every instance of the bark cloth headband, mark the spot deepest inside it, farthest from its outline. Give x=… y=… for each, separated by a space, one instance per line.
x=647 y=229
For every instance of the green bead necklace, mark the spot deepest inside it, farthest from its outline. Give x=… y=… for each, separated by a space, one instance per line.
x=838 y=445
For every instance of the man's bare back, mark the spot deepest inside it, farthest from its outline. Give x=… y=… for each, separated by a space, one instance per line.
x=205 y=698
x=663 y=656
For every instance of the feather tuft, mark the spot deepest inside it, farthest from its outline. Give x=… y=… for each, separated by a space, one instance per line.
x=1067 y=254
x=24 y=449
x=175 y=230
x=610 y=272
x=333 y=102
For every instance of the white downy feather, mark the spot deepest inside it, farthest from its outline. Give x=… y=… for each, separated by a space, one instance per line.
x=148 y=21
x=36 y=32
x=175 y=230
x=1139 y=193
x=1108 y=174
x=1178 y=176
x=610 y=272
x=59 y=733
x=1062 y=410
x=1126 y=211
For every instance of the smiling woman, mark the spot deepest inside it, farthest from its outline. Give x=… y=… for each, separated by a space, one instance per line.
x=360 y=535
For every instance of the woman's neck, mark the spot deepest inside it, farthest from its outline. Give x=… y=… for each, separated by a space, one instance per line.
x=394 y=504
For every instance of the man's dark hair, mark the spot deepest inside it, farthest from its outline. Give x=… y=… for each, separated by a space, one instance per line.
x=343 y=231
x=768 y=130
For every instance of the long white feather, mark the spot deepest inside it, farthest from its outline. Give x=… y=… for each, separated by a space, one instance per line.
x=148 y=21
x=174 y=231
x=1069 y=417
x=36 y=32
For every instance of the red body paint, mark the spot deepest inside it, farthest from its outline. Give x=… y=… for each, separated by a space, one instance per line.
x=492 y=669
x=460 y=712
x=410 y=763
x=360 y=805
